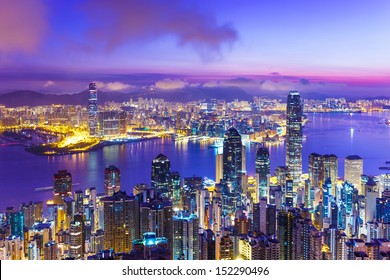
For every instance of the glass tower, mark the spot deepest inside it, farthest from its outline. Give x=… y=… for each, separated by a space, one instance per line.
x=294 y=136
x=263 y=170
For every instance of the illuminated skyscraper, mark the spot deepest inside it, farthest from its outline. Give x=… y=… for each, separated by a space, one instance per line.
x=330 y=169
x=161 y=176
x=93 y=110
x=219 y=168
x=353 y=170
x=121 y=221
x=112 y=180
x=315 y=164
x=263 y=170
x=294 y=136
x=232 y=160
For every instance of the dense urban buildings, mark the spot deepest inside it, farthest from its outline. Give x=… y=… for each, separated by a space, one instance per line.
x=288 y=214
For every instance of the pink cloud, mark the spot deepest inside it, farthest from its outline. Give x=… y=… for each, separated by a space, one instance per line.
x=22 y=25
x=116 y=22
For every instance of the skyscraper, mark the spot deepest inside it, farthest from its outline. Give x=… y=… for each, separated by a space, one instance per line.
x=330 y=169
x=294 y=136
x=353 y=170
x=76 y=240
x=161 y=176
x=93 y=110
x=62 y=184
x=121 y=221
x=232 y=160
x=263 y=170
x=112 y=180
x=315 y=164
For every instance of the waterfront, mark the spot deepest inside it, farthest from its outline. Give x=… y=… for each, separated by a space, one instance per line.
x=341 y=134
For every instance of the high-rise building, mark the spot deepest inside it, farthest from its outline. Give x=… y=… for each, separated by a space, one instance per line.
x=263 y=170
x=232 y=161
x=112 y=180
x=294 y=136
x=185 y=237
x=353 y=170
x=207 y=245
x=161 y=176
x=112 y=123
x=93 y=110
x=177 y=202
x=121 y=221
x=219 y=168
x=330 y=169
x=315 y=165
x=62 y=183
x=226 y=248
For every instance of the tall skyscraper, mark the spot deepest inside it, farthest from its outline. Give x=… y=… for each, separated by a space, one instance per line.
x=315 y=165
x=93 y=110
x=76 y=240
x=112 y=180
x=161 y=176
x=353 y=170
x=330 y=169
x=232 y=160
x=263 y=170
x=121 y=221
x=62 y=184
x=294 y=136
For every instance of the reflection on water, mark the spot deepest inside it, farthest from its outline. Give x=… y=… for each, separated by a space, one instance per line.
x=340 y=134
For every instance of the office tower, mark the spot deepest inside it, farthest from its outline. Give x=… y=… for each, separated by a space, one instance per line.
x=263 y=170
x=161 y=176
x=76 y=240
x=93 y=110
x=149 y=247
x=207 y=248
x=17 y=224
x=353 y=170
x=226 y=248
x=315 y=166
x=112 y=180
x=62 y=185
x=218 y=168
x=383 y=210
x=294 y=136
x=121 y=221
x=326 y=190
x=176 y=191
x=185 y=236
x=232 y=160
x=330 y=170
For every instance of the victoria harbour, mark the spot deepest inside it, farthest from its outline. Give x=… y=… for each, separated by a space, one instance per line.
x=341 y=134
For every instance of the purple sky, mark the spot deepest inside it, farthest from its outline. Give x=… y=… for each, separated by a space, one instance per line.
x=329 y=47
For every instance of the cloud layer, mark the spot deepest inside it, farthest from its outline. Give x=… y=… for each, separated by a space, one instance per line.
x=23 y=25
x=117 y=22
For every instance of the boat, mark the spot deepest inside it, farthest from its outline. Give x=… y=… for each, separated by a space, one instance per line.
x=388 y=122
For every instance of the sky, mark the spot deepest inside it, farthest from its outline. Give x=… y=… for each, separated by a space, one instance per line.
x=329 y=47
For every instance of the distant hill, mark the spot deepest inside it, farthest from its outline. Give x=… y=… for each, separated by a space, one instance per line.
x=33 y=98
